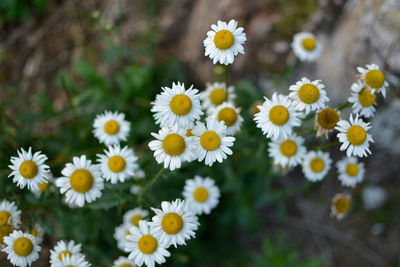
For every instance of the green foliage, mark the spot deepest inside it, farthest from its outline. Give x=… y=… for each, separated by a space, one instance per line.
x=20 y=10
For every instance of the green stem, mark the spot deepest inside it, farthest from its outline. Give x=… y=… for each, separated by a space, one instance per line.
x=326 y=145
x=144 y=189
x=226 y=77
x=345 y=105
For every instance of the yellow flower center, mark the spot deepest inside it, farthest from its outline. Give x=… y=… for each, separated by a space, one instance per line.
x=81 y=180
x=34 y=232
x=224 y=39
x=4 y=217
x=23 y=246
x=64 y=253
x=210 y=140
x=174 y=144
x=43 y=186
x=309 y=44
x=200 y=194
x=189 y=133
x=327 y=118
x=218 y=96
x=356 y=135
x=181 y=104
x=352 y=169
x=135 y=220
x=366 y=98
x=111 y=127
x=342 y=205
x=308 y=93
x=147 y=244
x=254 y=108
x=288 y=148
x=5 y=230
x=116 y=164
x=375 y=78
x=317 y=165
x=279 y=115
x=126 y=265
x=172 y=223
x=28 y=169
x=228 y=115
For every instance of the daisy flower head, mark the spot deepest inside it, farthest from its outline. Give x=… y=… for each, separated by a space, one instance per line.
x=230 y=115
x=133 y=216
x=144 y=246
x=111 y=127
x=44 y=186
x=363 y=100
x=81 y=181
x=174 y=223
x=177 y=106
x=350 y=171
x=373 y=78
x=72 y=260
x=211 y=142
x=354 y=136
x=374 y=197
x=5 y=230
x=123 y=262
x=316 y=165
x=224 y=42
x=63 y=249
x=306 y=46
x=121 y=233
x=341 y=204
x=22 y=249
x=308 y=95
x=325 y=121
x=287 y=152
x=172 y=147
x=201 y=194
x=118 y=163
x=28 y=169
x=216 y=94
x=9 y=213
x=38 y=232
x=277 y=117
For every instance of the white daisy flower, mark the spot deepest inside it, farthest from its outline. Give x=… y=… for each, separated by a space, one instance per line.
x=201 y=194
x=230 y=115
x=277 y=117
x=316 y=165
x=81 y=181
x=38 y=232
x=363 y=100
x=121 y=233
x=6 y=230
x=308 y=95
x=211 y=141
x=123 y=262
x=64 y=249
x=118 y=163
x=373 y=78
x=174 y=223
x=177 y=106
x=341 y=204
x=111 y=127
x=354 y=136
x=287 y=152
x=216 y=94
x=74 y=261
x=22 y=249
x=172 y=147
x=144 y=246
x=43 y=186
x=9 y=213
x=224 y=42
x=325 y=121
x=350 y=171
x=306 y=47
x=133 y=216
x=29 y=169
x=373 y=197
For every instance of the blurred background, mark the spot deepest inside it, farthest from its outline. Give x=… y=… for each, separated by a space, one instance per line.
x=62 y=62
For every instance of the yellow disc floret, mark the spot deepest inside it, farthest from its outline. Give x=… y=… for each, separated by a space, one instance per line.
x=135 y=220
x=172 y=223
x=366 y=98
x=309 y=44
x=64 y=253
x=288 y=148
x=116 y=164
x=189 y=133
x=327 y=118
x=111 y=127
x=352 y=169
x=5 y=230
x=317 y=165
x=174 y=144
x=147 y=244
x=308 y=93
x=34 y=232
x=28 y=169
x=356 y=135
x=342 y=205
x=218 y=96
x=23 y=246
x=200 y=194
x=81 y=180
x=224 y=39
x=4 y=217
x=181 y=104
x=228 y=115
x=43 y=186
x=375 y=78
x=279 y=115
x=210 y=140
x=125 y=265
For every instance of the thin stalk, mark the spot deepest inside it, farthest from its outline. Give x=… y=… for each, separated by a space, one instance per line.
x=144 y=189
x=226 y=77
